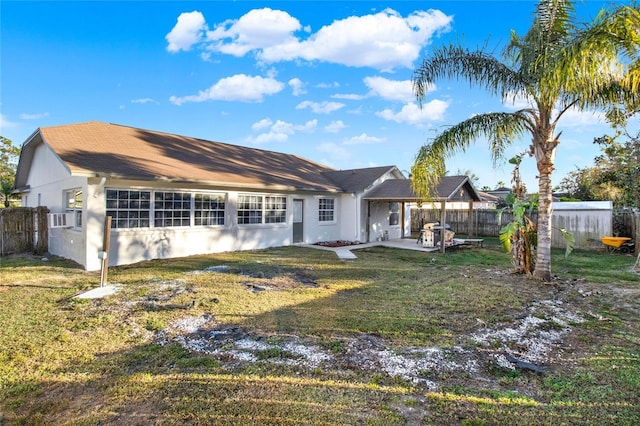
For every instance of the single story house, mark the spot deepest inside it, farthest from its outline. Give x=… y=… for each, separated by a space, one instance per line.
x=172 y=196
x=163 y=195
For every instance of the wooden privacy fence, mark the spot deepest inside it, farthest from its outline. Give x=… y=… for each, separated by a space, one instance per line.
x=23 y=229
x=586 y=225
x=484 y=223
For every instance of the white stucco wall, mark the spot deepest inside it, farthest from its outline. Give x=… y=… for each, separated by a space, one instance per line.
x=135 y=245
x=379 y=221
x=48 y=180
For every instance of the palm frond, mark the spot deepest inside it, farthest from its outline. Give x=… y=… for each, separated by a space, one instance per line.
x=500 y=129
x=600 y=64
x=477 y=67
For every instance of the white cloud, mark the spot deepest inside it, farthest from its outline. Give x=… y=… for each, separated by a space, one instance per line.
x=268 y=137
x=278 y=131
x=392 y=90
x=335 y=151
x=308 y=126
x=335 y=126
x=265 y=123
x=348 y=96
x=188 y=31
x=571 y=118
x=239 y=87
x=579 y=119
x=363 y=139
x=320 y=107
x=5 y=122
x=384 y=40
x=33 y=116
x=297 y=86
x=411 y=113
x=333 y=85
x=143 y=101
x=259 y=29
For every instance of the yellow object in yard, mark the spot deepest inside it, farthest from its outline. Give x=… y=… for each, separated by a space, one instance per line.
x=614 y=241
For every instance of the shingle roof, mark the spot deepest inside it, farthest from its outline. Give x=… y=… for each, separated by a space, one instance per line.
x=450 y=188
x=102 y=149
x=357 y=180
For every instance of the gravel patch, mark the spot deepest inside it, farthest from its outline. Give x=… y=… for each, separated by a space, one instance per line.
x=532 y=340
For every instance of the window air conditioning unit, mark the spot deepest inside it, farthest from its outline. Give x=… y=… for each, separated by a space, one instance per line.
x=61 y=220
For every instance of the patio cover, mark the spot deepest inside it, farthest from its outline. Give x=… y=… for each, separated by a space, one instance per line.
x=449 y=188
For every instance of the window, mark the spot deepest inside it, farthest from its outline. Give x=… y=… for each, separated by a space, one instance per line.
x=171 y=209
x=249 y=209
x=275 y=209
x=128 y=209
x=209 y=209
x=257 y=209
x=74 y=205
x=326 y=208
x=394 y=213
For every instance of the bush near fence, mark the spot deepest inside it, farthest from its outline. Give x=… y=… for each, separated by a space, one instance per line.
x=23 y=230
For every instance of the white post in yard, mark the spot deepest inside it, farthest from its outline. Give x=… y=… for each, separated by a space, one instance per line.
x=104 y=254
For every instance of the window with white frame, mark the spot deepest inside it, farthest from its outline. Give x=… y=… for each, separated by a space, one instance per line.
x=275 y=209
x=74 y=205
x=171 y=209
x=127 y=208
x=209 y=209
x=249 y=209
x=394 y=213
x=326 y=209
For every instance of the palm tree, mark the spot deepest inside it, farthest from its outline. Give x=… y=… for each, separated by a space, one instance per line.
x=558 y=65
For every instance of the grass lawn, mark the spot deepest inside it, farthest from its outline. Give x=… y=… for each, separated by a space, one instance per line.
x=295 y=336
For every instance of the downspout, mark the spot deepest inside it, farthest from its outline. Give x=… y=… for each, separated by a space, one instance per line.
x=368 y=220
x=100 y=187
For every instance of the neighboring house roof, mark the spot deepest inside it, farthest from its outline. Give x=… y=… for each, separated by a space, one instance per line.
x=449 y=188
x=485 y=196
x=102 y=149
x=357 y=180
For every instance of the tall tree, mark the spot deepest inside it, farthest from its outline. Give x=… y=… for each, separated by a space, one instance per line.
x=8 y=164
x=558 y=65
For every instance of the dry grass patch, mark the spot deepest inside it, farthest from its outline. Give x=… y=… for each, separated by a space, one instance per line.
x=295 y=336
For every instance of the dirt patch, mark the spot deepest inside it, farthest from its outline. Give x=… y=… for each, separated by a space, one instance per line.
x=337 y=243
x=528 y=344
x=261 y=280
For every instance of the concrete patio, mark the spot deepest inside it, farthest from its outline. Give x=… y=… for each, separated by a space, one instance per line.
x=346 y=252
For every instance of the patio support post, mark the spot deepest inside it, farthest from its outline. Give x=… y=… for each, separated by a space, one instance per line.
x=470 y=230
x=443 y=222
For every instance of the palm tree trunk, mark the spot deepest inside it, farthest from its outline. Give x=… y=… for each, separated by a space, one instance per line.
x=545 y=157
x=542 y=270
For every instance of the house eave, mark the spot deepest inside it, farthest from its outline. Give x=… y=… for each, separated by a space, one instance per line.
x=209 y=183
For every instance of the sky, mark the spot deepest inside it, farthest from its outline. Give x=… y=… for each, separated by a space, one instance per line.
x=330 y=81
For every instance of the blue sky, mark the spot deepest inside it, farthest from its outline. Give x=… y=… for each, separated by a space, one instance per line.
x=329 y=81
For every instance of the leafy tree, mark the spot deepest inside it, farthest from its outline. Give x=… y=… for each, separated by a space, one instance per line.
x=8 y=164
x=614 y=176
x=619 y=169
x=558 y=65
